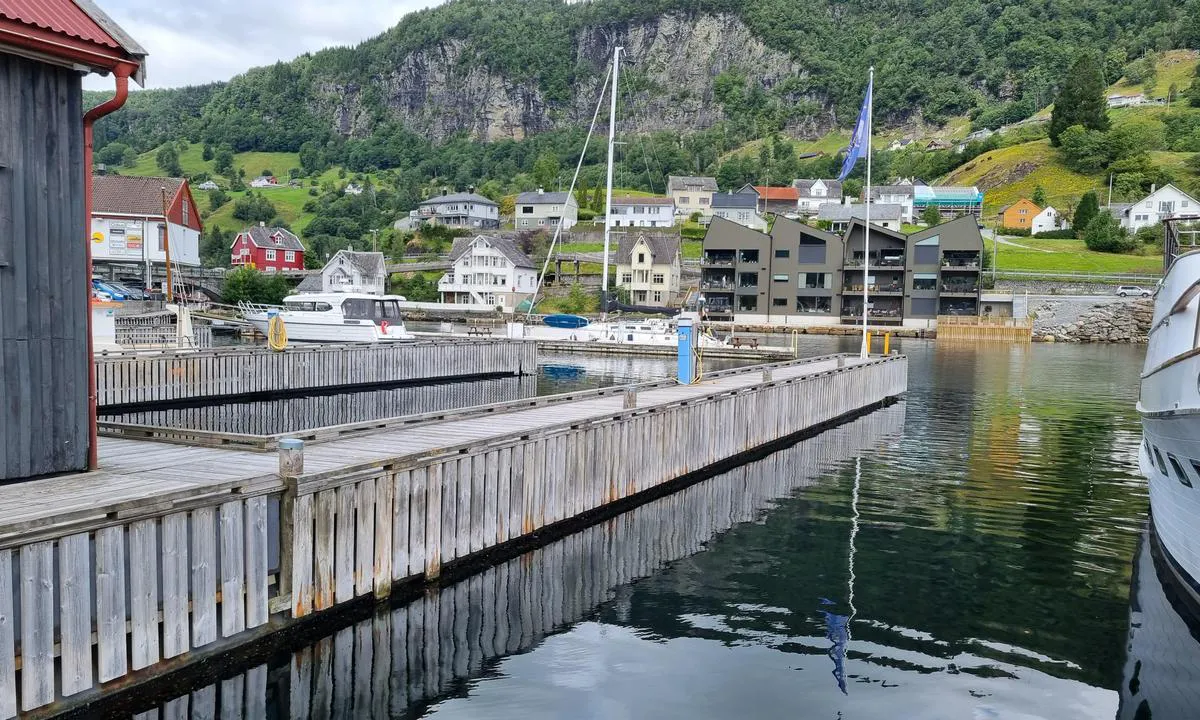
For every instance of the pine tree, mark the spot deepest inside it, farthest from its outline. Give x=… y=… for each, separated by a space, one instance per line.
x=1088 y=208
x=1081 y=99
x=1039 y=196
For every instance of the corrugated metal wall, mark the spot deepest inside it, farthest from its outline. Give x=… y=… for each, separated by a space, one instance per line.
x=43 y=274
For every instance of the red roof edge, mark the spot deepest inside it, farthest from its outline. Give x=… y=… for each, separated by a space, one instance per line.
x=70 y=31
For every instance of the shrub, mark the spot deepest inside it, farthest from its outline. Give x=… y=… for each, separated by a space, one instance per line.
x=1105 y=234
x=1056 y=235
x=1016 y=232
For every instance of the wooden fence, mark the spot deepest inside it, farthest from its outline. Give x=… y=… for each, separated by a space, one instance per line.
x=151 y=585
x=958 y=328
x=132 y=378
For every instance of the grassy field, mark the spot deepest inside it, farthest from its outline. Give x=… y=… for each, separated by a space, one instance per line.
x=1009 y=174
x=289 y=204
x=1174 y=66
x=1068 y=256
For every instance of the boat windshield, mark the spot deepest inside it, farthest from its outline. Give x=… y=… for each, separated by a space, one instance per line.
x=366 y=309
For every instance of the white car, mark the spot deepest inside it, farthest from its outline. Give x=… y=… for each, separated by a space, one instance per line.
x=1127 y=290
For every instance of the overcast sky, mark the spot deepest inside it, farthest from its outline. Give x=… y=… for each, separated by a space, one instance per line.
x=197 y=42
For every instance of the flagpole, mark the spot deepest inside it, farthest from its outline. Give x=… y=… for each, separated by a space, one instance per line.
x=867 y=215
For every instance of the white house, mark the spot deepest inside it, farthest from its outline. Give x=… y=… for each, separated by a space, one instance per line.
x=488 y=272
x=644 y=211
x=127 y=223
x=1048 y=220
x=739 y=207
x=901 y=195
x=648 y=266
x=208 y=185
x=692 y=194
x=352 y=189
x=465 y=210
x=885 y=215
x=815 y=193
x=1162 y=203
x=1120 y=101
x=265 y=181
x=349 y=271
x=545 y=209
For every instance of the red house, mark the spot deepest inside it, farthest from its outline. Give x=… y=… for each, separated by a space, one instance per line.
x=267 y=249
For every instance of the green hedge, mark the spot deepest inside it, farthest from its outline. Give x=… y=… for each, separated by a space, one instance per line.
x=1016 y=232
x=1056 y=235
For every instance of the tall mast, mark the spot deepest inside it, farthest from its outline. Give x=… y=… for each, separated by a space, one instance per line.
x=167 y=245
x=612 y=133
x=866 y=350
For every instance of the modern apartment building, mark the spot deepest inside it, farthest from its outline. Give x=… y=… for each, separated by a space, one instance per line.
x=800 y=275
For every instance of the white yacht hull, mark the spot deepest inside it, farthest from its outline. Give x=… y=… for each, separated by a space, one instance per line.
x=319 y=331
x=613 y=334
x=1170 y=409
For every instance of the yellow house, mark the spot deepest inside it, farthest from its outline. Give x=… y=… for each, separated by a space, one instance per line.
x=1019 y=215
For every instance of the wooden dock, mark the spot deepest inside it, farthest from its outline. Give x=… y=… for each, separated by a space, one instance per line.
x=141 y=378
x=188 y=551
x=380 y=666
x=762 y=353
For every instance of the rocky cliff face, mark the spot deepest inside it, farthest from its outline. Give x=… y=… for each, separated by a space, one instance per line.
x=1087 y=321
x=669 y=67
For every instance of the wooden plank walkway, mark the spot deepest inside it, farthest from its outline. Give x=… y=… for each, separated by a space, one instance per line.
x=143 y=473
x=182 y=535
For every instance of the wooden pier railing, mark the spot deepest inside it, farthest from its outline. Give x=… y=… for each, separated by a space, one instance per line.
x=120 y=578
x=133 y=378
x=401 y=657
x=958 y=328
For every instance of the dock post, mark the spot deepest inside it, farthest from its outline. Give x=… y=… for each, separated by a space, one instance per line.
x=687 y=349
x=887 y=343
x=291 y=457
x=630 y=399
x=766 y=375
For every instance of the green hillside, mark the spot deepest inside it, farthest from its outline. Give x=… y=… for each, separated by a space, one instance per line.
x=1009 y=174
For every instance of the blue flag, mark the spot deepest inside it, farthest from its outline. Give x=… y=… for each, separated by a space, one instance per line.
x=862 y=131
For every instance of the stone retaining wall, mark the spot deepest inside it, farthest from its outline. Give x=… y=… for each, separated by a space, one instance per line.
x=1117 y=321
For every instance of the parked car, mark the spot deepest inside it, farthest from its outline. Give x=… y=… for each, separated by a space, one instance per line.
x=109 y=289
x=130 y=293
x=1127 y=290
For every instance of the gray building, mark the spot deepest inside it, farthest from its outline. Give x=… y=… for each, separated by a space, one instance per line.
x=801 y=275
x=545 y=209
x=460 y=210
x=45 y=267
x=739 y=207
x=883 y=215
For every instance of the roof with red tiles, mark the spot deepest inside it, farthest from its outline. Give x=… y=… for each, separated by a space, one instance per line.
x=61 y=16
x=132 y=195
x=767 y=192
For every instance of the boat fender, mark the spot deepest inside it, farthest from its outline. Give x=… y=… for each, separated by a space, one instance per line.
x=383 y=327
x=572 y=336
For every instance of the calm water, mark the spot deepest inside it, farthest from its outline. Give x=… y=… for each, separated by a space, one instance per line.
x=967 y=553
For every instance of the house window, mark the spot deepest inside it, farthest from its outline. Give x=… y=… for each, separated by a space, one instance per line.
x=526 y=209
x=289 y=256
x=743 y=217
x=782 y=253
x=1022 y=211
x=924 y=281
x=162 y=238
x=641 y=258
x=779 y=278
x=626 y=278
x=1183 y=203
x=659 y=279
x=816 y=281
x=269 y=254
x=657 y=296
x=779 y=302
x=184 y=209
x=524 y=222
x=685 y=200
x=1166 y=206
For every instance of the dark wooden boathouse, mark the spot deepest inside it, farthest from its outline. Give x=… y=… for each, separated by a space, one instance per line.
x=46 y=47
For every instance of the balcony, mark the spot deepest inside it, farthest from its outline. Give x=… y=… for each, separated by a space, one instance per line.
x=889 y=288
x=717 y=260
x=960 y=289
x=718 y=285
x=960 y=267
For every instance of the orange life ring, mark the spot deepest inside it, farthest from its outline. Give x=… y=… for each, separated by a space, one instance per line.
x=383 y=327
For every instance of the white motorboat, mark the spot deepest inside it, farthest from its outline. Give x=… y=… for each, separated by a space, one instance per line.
x=333 y=317
x=653 y=331
x=1170 y=405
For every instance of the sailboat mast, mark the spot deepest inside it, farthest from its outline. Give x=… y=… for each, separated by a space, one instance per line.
x=612 y=134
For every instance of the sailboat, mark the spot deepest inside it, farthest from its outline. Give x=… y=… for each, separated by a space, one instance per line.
x=576 y=328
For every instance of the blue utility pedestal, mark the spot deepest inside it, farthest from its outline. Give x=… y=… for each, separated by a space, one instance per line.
x=687 y=350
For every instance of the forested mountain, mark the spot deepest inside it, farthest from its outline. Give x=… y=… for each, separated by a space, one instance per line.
x=509 y=69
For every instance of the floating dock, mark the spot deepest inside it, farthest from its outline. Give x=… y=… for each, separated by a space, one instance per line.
x=139 y=378
x=172 y=554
